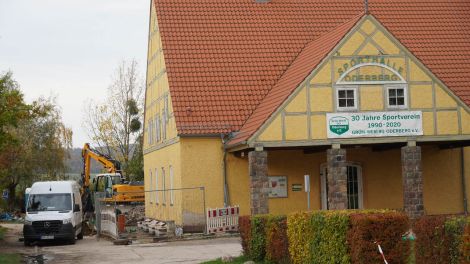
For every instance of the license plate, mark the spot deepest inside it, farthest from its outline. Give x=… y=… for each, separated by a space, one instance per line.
x=47 y=237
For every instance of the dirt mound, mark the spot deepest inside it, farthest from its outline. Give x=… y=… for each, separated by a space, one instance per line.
x=134 y=215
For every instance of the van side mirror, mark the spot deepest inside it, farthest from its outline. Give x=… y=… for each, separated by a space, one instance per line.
x=76 y=208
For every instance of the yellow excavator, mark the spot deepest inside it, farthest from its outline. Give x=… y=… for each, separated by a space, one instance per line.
x=112 y=183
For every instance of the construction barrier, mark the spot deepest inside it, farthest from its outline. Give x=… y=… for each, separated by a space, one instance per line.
x=223 y=219
x=108 y=222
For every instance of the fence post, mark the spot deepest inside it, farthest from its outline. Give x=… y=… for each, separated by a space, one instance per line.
x=97 y=215
x=205 y=213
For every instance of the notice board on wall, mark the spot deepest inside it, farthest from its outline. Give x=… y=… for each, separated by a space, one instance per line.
x=277 y=186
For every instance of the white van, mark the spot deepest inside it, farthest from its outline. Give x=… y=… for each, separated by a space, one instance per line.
x=54 y=211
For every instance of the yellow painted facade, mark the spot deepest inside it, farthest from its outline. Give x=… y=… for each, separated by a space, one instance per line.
x=443 y=116
x=441 y=109
x=162 y=149
x=300 y=123
x=382 y=188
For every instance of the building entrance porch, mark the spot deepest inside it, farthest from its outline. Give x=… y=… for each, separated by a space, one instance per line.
x=419 y=180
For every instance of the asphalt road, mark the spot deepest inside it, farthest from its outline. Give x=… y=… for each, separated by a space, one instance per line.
x=90 y=250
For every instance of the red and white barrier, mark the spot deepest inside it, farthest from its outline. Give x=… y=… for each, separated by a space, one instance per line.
x=223 y=219
x=381 y=252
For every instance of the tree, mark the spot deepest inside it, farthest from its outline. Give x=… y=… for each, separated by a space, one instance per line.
x=12 y=107
x=136 y=164
x=114 y=125
x=38 y=152
x=34 y=141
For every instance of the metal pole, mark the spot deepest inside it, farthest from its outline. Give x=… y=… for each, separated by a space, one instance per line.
x=464 y=184
x=308 y=199
x=205 y=213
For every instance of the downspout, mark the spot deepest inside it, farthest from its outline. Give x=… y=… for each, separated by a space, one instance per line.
x=464 y=184
x=224 y=171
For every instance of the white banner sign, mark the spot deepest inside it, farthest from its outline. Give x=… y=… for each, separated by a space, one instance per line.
x=374 y=124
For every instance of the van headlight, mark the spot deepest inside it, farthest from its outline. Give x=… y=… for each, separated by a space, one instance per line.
x=67 y=221
x=28 y=222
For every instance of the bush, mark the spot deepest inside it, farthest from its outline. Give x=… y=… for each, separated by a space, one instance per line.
x=386 y=229
x=329 y=237
x=300 y=235
x=465 y=247
x=244 y=227
x=454 y=230
x=430 y=246
x=277 y=246
x=258 y=238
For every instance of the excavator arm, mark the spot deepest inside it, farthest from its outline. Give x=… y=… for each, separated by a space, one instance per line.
x=110 y=164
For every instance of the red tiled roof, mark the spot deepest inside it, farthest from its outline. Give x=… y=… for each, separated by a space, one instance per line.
x=224 y=56
x=302 y=66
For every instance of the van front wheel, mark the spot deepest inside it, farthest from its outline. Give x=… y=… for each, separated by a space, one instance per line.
x=27 y=243
x=80 y=235
x=72 y=241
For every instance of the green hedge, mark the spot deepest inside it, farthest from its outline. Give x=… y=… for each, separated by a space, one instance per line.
x=351 y=236
x=300 y=234
x=329 y=243
x=258 y=237
x=442 y=239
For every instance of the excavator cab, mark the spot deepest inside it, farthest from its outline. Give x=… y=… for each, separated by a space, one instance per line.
x=105 y=182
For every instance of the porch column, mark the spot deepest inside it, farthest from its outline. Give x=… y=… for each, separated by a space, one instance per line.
x=258 y=169
x=412 y=181
x=337 y=179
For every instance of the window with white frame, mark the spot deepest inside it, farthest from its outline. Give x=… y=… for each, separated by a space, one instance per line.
x=151 y=180
x=156 y=186
x=163 y=125
x=163 y=187
x=157 y=128
x=172 y=198
x=165 y=108
x=150 y=132
x=396 y=96
x=346 y=98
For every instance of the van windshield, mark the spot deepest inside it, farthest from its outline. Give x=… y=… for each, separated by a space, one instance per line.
x=50 y=202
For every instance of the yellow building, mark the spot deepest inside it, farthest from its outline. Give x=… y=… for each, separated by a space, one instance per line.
x=247 y=98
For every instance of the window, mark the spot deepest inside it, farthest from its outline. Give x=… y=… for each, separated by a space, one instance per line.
x=157 y=128
x=163 y=186
x=165 y=108
x=396 y=96
x=151 y=179
x=150 y=132
x=156 y=185
x=346 y=98
x=163 y=125
x=172 y=198
x=354 y=186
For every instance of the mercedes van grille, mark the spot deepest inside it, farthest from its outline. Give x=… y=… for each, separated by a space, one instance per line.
x=47 y=227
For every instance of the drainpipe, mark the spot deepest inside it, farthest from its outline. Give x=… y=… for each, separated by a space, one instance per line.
x=464 y=184
x=224 y=171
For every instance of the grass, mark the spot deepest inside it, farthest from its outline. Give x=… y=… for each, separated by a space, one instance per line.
x=237 y=260
x=10 y=258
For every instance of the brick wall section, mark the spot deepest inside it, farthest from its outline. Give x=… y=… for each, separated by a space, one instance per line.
x=412 y=181
x=259 y=185
x=337 y=179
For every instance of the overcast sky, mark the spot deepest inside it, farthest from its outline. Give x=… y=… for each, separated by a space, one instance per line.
x=70 y=48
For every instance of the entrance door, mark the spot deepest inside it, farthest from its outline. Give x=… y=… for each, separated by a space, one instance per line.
x=354 y=188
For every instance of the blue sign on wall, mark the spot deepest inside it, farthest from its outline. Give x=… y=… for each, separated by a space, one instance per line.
x=5 y=194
